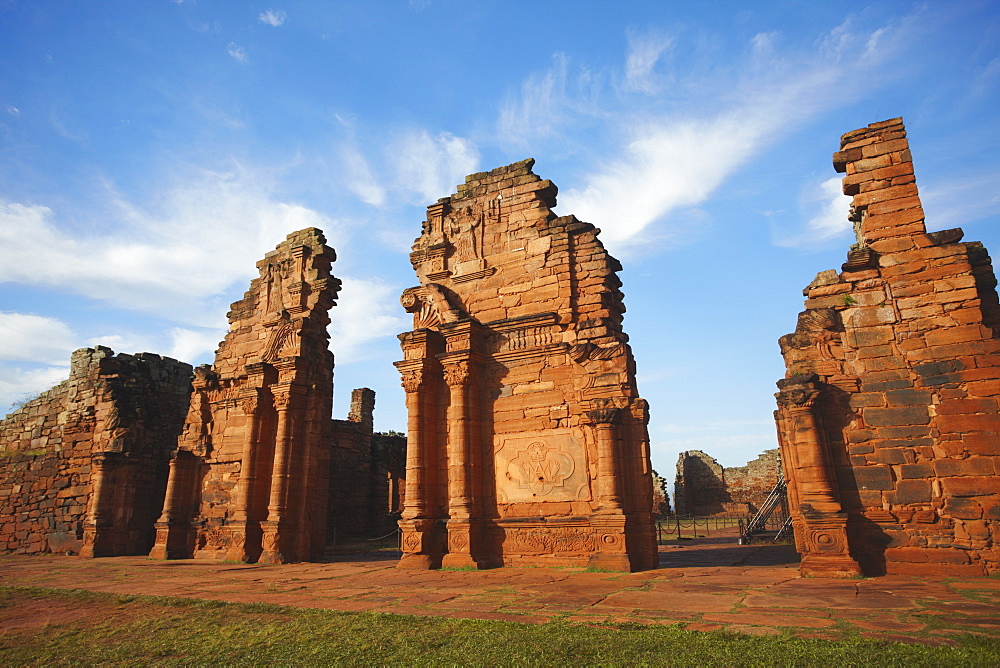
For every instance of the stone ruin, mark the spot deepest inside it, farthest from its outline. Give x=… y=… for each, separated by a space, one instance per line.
x=249 y=479
x=527 y=438
x=703 y=487
x=889 y=413
x=83 y=467
x=367 y=474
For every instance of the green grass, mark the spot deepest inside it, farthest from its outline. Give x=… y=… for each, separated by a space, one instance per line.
x=128 y=630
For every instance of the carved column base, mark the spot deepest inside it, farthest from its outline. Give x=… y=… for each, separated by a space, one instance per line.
x=423 y=544
x=173 y=541
x=466 y=547
x=244 y=542
x=826 y=552
x=278 y=543
x=98 y=541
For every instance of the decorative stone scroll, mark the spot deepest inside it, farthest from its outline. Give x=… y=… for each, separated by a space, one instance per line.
x=520 y=389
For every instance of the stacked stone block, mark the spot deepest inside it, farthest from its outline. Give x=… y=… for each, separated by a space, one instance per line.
x=83 y=466
x=889 y=415
x=527 y=439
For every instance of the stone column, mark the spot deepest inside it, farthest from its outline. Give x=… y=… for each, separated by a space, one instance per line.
x=279 y=530
x=459 y=375
x=99 y=529
x=816 y=511
x=244 y=541
x=420 y=536
x=173 y=529
x=609 y=495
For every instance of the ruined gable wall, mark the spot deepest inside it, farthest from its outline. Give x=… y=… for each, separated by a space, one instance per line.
x=117 y=415
x=704 y=487
x=518 y=360
x=250 y=478
x=890 y=401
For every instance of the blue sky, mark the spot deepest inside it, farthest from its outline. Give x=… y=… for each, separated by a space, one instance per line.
x=151 y=152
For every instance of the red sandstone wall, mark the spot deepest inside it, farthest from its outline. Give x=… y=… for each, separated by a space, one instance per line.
x=893 y=385
x=527 y=435
x=125 y=409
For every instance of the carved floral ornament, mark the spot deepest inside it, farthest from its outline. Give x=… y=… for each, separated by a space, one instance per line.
x=412 y=379
x=606 y=415
x=457 y=373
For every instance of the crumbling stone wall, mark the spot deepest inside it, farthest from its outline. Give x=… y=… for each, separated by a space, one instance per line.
x=661 y=498
x=889 y=413
x=367 y=473
x=704 y=487
x=249 y=480
x=527 y=440
x=83 y=466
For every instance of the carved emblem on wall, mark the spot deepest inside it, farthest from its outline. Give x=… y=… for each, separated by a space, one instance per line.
x=541 y=466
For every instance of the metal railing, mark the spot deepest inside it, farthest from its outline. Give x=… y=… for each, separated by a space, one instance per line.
x=762 y=519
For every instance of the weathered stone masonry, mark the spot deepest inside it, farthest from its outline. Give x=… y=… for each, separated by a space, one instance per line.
x=704 y=487
x=527 y=439
x=889 y=414
x=83 y=466
x=249 y=480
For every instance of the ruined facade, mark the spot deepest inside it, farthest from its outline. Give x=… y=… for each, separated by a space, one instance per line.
x=888 y=417
x=367 y=473
x=83 y=466
x=249 y=479
x=527 y=438
x=704 y=487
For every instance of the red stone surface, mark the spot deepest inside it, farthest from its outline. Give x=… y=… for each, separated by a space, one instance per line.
x=83 y=467
x=527 y=440
x=889 y=415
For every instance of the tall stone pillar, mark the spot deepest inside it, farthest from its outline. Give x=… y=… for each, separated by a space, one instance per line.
x=99 y=528
x=608 y=465
x=817 y=515
x=421 y=538
x=280 y=529
x=245 y=533
x=174 y=532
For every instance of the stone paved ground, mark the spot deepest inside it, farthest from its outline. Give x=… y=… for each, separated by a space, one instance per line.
x=708 y=584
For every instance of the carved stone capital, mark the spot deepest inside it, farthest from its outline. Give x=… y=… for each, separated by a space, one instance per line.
x=458 y=373
x=606 y=415
x=413 y=379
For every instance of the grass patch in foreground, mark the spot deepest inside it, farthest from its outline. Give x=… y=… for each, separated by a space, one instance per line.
x=172 y=631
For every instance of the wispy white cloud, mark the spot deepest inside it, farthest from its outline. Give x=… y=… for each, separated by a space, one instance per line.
x=19 y=384
x=654 y=166
x=828 y=208
x=645 y=51
x=13 y=111
x=238 y=52
x=366 y=310
x=273 y=17
x=950 y=203
x=27 y=337
x=358 y=177
x=430 y=166
x=173 y=259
